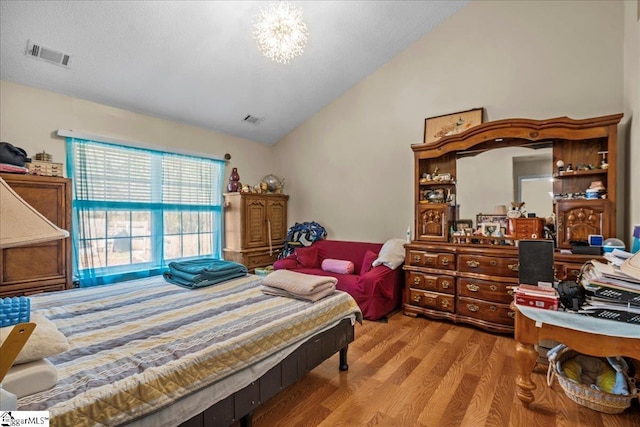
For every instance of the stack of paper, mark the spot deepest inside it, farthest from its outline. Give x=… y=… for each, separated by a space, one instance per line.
x=611 y=294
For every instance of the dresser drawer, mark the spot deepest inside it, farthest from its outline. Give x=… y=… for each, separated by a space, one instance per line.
x=484 y=310
x=432 y=260
x=434 y=300
x=260 y=259
x=431 y=282
x=507 y=267
x=485 y=290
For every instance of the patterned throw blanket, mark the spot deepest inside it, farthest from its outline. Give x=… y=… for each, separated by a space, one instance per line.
x=138 y=346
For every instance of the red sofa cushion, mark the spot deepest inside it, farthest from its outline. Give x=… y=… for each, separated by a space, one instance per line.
x=308 y=256
x=367 y=262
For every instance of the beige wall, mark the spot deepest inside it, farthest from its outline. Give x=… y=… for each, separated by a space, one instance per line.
x=632 y=113
x=350 y=166
x=29 y=118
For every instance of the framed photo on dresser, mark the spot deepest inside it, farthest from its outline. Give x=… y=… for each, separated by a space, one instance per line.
x=491 y=218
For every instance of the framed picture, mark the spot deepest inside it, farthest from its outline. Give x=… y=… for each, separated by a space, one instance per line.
x=490 y=228
x=451 y=124
x=462 y=225
x=490 y=218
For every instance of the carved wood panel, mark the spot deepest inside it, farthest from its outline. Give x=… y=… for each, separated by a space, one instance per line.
x=432 y=221
x=577 y=221
x=277 y=217
x=255 y=226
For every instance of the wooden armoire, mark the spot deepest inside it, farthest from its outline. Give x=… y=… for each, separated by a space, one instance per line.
x=41 y=267
x=255 y=227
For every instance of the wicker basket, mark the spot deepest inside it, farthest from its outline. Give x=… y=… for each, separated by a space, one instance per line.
x=585 y=395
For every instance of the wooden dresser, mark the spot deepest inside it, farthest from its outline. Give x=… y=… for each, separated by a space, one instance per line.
x=255 y=228
x=42 y=267
x=470 y=283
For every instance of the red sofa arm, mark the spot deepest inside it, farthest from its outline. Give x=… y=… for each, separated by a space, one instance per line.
x=286 y=263
x=381 y=281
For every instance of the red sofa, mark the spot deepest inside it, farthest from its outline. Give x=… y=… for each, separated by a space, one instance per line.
x=377 y=290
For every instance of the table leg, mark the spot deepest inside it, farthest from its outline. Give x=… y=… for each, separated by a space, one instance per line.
x=526 y=357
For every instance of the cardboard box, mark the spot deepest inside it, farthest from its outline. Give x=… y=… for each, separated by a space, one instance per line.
x=536 y=301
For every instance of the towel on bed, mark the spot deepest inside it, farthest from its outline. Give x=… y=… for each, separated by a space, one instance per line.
x=203 y=272
x=298 y=283
x=321 y=292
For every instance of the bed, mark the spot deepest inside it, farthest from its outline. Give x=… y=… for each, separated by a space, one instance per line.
x=148 y=353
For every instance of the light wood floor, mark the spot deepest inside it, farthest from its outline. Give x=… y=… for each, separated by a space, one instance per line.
x=419 y=372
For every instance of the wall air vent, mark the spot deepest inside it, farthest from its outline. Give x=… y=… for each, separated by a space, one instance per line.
x=38 y=51
x=252 y=119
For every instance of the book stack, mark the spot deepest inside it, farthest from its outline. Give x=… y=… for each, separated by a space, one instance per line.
x=611 y=293
x=536 y=296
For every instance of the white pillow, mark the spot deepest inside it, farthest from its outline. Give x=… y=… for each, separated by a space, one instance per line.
x=391 y=254
x=45 y=341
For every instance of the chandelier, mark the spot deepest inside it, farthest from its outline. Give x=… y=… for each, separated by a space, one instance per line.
x=280 y=32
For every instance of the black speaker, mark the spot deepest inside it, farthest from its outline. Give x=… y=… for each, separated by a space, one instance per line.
x=536 y=261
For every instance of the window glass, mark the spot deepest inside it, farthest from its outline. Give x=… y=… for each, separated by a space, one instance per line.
x=135 y=210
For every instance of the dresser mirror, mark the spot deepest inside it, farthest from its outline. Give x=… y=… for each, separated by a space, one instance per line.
x=497 y=177
x=512 y=160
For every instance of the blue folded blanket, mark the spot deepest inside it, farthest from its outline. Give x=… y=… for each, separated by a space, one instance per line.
x=203 y=272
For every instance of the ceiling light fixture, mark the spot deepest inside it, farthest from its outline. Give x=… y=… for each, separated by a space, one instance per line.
x=280 y=32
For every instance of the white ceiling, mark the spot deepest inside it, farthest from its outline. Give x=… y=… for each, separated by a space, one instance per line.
x=196 y=62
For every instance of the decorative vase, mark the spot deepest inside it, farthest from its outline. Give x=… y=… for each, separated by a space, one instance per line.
x=234 y=181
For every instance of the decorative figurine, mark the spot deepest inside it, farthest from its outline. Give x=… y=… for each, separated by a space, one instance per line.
x=516 y=210
x=603 y=162
x=560 y=165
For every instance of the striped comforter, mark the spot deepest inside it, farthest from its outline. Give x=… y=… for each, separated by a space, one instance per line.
x=138 y=346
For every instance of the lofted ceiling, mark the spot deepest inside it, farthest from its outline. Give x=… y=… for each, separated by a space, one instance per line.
x=196 y=62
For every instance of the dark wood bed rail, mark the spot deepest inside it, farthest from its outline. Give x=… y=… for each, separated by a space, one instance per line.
x=240 y=405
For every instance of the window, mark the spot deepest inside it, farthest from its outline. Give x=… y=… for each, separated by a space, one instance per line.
x=135 y=210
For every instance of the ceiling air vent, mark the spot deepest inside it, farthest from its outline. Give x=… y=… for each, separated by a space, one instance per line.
x=252 y=119
x=45 y=53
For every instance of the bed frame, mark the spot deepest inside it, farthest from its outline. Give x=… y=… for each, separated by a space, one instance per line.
x=240 y=405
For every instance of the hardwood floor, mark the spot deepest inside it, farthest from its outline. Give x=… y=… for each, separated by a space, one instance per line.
x=419 y=372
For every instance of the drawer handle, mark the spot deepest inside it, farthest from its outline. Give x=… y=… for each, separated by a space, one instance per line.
x=445 y=261
x=416 y=298
x=493 y=262
x=492 y=308
x=514 y=267
x=416 y=258
x=493 y=287
x=473 y=263
x=473 y=288
x=512 y=314
x=445 y=303
x=473 y=307
x=445 y=284
x=416 y=280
